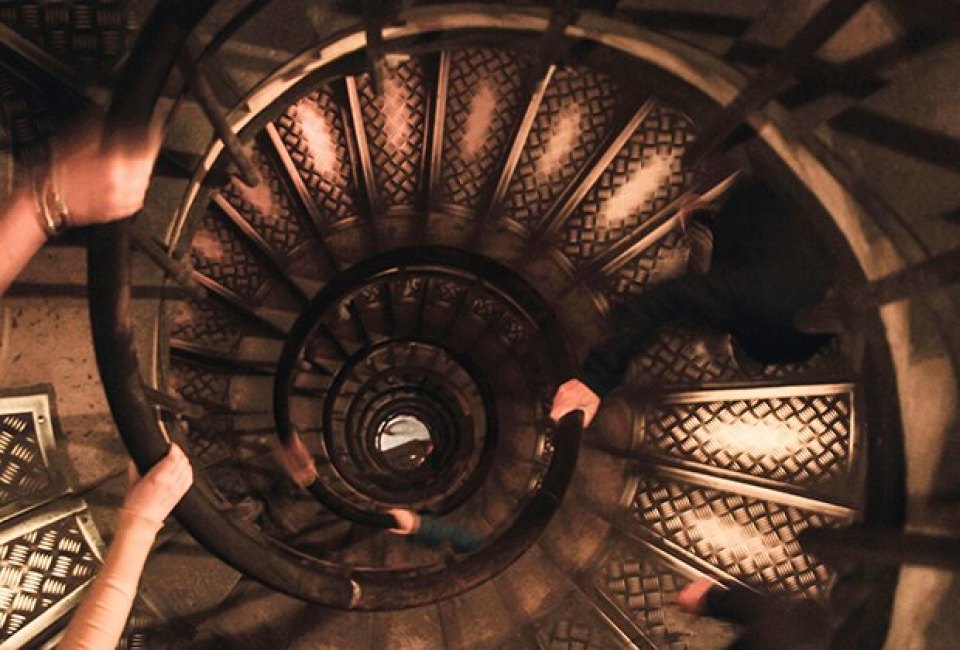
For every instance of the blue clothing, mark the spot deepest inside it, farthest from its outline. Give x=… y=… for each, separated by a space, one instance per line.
x=432 y=531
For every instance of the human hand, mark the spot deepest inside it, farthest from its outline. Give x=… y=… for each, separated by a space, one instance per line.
x=101 y=182
x=693 y=597
x=296 y=460
x=407 y=521
x=156 y=494
x=571 y=396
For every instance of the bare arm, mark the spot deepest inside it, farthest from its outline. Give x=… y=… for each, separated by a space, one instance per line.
x=20 y=236
x=101 y=617
x=87 y=184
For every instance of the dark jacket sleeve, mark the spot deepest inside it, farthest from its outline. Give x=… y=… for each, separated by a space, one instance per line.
x=786 y=624
x=737 y=605
x=432 y=531
x=709 y=298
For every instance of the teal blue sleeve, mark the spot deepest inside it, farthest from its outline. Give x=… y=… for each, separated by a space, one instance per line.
x=432 y=531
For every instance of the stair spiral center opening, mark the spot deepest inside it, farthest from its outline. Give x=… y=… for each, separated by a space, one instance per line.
x=400 y=374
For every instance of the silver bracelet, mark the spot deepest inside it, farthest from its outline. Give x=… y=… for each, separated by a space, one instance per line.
x=53 y=220
x=63 y=213
x=47 y=223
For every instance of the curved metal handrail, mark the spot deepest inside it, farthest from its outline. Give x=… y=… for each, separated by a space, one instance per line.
x=136 y=95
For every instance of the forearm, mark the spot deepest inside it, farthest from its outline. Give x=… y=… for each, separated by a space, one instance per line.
x=21 y=235
x=102 y=615
x=637 y=324
x=634 y=327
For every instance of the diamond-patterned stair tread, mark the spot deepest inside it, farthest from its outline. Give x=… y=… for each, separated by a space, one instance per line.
x=572 y=627
x=572 y=121
x=394 y=123
x=24 y=130
x=797 y=436
x=748 y=539
x=315 y=134
x=205 y=324
x=684 y=356
x=269 y=208
x=484 y=99
x=220 y=251
x=642 y=179
x=28 y=465
x=44 y=563
x=88 y=35
x=645 y=588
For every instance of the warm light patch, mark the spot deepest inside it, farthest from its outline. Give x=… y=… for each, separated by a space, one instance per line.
x=483 y=106
x=723 y=534
x=319 y=137
x=206 y=245
x=183 y=313
x=770 y=439
x=564 y=133
x=401 y=429
x=641 y=187
x=396 y=113
x=261 y=197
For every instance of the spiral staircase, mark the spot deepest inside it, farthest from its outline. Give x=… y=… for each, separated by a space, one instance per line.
x=395 y=233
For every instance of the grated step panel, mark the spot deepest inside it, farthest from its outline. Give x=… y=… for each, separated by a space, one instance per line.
x=30 y=471
x=395 y=141
x=274 y=218
x=89 y=36
x=684 y=356
x=646 y=175
x=799 y=438
x=221 y=254
x=666 y=258
x=744 y=539
x=644 y=587
x=314 y=133
x=484 y=99
x=571 y=626
x=207 y=324
x=576 y=113
x=46 y=561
